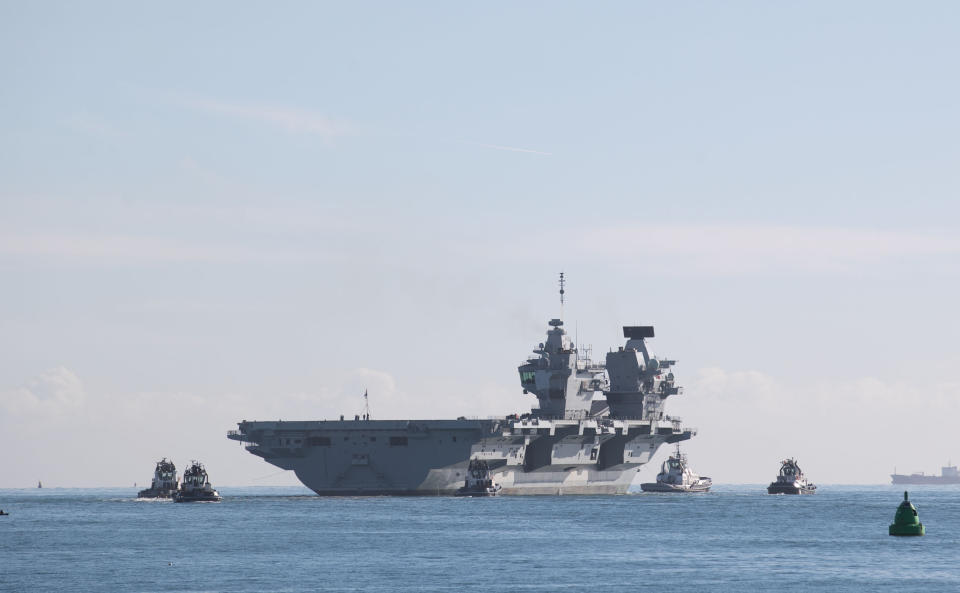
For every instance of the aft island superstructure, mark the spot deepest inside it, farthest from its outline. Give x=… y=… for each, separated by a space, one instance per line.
x=595 y=426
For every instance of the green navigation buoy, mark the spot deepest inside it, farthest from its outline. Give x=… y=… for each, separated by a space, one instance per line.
x=906 y=521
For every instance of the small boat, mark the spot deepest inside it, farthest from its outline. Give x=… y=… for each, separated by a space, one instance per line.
x=3 y=514
x=164 y=484
x=791 y=480
x=676 y=476
x=478 y=481
x=195 y=486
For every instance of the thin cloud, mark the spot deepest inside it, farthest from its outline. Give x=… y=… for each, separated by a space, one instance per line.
x=299 y=121
x=733 y=249
x=743 y=248
x=56 y=391
x=94 y=126
x=511 y=148
x=135 y=249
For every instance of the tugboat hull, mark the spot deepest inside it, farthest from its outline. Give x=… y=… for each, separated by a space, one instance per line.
x=153 y=493
x=180 y=497
x=658 y=487
x=789 y=489
x=478 y=492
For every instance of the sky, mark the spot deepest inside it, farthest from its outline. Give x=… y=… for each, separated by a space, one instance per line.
x=229 y=211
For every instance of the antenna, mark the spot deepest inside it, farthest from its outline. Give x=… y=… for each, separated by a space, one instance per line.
x=563 y=283
x=366 y=405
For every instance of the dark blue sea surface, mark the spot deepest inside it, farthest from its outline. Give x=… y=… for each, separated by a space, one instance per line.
x=736 y=538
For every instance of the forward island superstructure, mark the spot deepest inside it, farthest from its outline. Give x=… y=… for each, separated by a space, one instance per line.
x=595 y=426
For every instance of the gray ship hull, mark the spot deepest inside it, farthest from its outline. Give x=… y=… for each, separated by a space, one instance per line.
x=447 y=481
x=430 y=457
x=922 y=479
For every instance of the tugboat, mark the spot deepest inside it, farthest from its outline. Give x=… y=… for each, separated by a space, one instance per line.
x=164 y=483
x=196 y=486
x=3 y=514
x=676 y=476
x=791 y=480
x=478 y=482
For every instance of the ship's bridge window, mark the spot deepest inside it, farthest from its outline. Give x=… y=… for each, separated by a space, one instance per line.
x=398 y=441
x=527 y=377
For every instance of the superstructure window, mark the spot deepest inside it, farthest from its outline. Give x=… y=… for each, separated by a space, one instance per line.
x=398 y=441
x=527 y=377
x=318 y=441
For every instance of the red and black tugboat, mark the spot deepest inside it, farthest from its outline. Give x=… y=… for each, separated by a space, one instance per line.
x=196 y=486
x=791 y=480
x=676 y=476
x=164 y=484
x=479 y=482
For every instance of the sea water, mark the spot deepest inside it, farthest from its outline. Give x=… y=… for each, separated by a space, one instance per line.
x=736 y=538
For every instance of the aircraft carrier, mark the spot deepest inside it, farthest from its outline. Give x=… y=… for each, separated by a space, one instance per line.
x=595 y=426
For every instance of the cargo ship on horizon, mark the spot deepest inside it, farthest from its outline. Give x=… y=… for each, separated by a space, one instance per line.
x=949 y=474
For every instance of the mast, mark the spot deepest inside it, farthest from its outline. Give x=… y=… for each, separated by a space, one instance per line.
x=563 y=283
x=366 y=405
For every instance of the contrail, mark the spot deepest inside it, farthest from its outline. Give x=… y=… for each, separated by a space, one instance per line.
x=511 y=148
